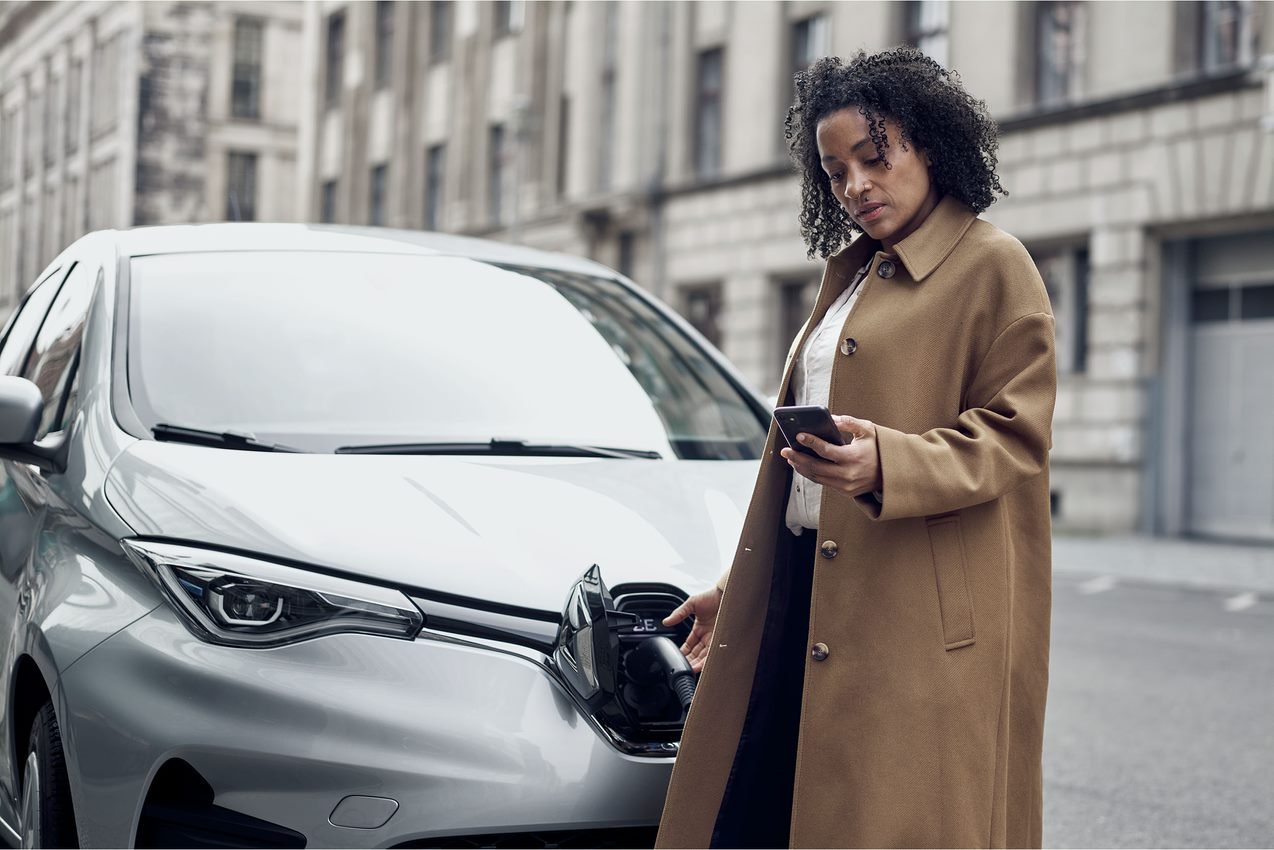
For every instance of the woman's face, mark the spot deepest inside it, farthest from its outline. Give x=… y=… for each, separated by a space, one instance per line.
x=887 y=203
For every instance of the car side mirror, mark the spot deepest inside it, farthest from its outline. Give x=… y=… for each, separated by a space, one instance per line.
x=21 y=409
x=21 y=412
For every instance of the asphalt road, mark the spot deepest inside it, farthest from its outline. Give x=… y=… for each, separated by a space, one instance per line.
x=1160 y=726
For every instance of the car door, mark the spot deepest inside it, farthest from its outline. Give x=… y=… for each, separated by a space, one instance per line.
x=23 y=502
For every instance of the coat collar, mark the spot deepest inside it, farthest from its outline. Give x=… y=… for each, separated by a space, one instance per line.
x=922 y=251
x=935 y=238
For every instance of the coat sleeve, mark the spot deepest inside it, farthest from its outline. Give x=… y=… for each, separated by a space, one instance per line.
x=1000 y=441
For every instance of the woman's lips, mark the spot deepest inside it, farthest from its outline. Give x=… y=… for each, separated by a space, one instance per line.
x=871 y=212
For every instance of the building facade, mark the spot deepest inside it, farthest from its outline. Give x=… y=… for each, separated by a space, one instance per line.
x=125 y=113
x=1136 y=144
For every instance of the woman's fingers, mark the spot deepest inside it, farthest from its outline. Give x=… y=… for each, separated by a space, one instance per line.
x=853 y=427
x=681 y=612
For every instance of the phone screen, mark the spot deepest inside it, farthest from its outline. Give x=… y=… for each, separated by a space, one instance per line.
x=807 y=419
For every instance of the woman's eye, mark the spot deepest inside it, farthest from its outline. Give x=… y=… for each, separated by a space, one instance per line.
x=837 y=177
x=874 y=162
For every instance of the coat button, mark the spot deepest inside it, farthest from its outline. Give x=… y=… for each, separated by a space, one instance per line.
x=829 y=548
x=886 y=269
x=819 y=652
x=849 y=346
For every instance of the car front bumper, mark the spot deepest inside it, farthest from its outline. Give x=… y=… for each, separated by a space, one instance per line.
x=467 y=739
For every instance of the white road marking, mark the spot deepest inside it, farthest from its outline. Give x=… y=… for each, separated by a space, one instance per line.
x=1241 y=602
x=1101 y=584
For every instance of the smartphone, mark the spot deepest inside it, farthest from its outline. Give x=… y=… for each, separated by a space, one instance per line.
x=807 y=419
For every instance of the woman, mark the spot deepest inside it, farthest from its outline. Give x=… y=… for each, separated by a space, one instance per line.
x=879 y=665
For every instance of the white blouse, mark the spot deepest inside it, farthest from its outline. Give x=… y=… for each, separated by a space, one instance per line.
x=812 y=384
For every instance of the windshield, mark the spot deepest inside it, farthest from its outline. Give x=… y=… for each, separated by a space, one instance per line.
x=328 y=350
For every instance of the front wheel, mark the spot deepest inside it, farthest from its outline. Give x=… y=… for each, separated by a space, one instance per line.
x=47 y=817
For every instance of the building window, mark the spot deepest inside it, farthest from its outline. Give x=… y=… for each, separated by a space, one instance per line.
x=435 y=164
x=606 y=134
x=34 y=111
x=1065 y=274
x=102 y=193
x=376 y=205
x=627 y=253
x=245 y=87
x=1227 y=34
x=74 y=86
x=335 y=58
x=796 y=302
x=809 y=42
x=926 y=27
x=1060 y=51
x=701 y=305
x=105 y=102
x=8 y=131
x=71 y=227
x=509 y=16
x=241 y=186
x=327 y=210
x=384 y=42
x=563 y=143
x=439 y=31
x=495 y=174
x=707 y=140
x=51 y=103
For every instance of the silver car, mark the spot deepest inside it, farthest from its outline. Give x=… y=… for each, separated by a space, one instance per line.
x=341 y=537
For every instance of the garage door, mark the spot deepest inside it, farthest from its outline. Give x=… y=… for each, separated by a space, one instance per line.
x=1231 y=401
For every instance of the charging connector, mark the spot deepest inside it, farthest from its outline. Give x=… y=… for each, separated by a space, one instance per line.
x=657 y=659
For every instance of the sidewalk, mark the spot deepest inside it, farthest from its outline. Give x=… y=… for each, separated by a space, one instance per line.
x=1190 y=563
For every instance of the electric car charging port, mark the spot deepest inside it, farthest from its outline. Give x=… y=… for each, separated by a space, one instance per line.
x=625 y=665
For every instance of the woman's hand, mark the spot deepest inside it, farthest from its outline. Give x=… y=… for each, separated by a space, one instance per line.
x=703 y=607
x=853 y=469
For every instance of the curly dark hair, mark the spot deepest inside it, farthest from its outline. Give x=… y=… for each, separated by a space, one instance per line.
x=929 y=105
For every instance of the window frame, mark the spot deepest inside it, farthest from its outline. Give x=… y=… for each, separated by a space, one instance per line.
x=1069 y=298
x=334 y=63
x=248 y=158
x=508 y=17
x=74 y=103
x=1070 y=88
x=435 y=181
x=715 y=292
x=441 y=17
x=497 y=142
x=709 y=100
x=377 y=194
x=916 y=31
x=327 y=211
x=383 y=67
x=1209 y=38
x=249 y=71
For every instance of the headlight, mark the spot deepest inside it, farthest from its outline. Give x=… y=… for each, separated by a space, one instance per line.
x=241 y=601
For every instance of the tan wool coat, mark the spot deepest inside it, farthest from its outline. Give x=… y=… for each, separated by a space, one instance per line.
x=923 y=725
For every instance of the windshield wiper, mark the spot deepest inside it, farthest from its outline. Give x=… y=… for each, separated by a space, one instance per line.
x=499 y=447
x=218 y=439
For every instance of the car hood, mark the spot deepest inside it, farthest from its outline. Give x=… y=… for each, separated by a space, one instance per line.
x=516 y=531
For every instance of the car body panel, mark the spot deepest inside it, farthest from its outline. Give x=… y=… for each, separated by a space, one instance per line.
x=464 y=738
x=514 y=531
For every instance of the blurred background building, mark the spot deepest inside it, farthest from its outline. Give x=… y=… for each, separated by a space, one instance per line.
x=122 y=113
x=1136 y=143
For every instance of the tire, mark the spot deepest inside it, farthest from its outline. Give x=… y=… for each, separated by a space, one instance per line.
x=46 y=814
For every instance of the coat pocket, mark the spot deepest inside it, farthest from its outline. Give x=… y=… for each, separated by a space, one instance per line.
x=951 y=573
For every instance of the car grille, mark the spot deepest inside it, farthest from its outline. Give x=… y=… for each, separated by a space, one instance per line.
x=637 y=836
